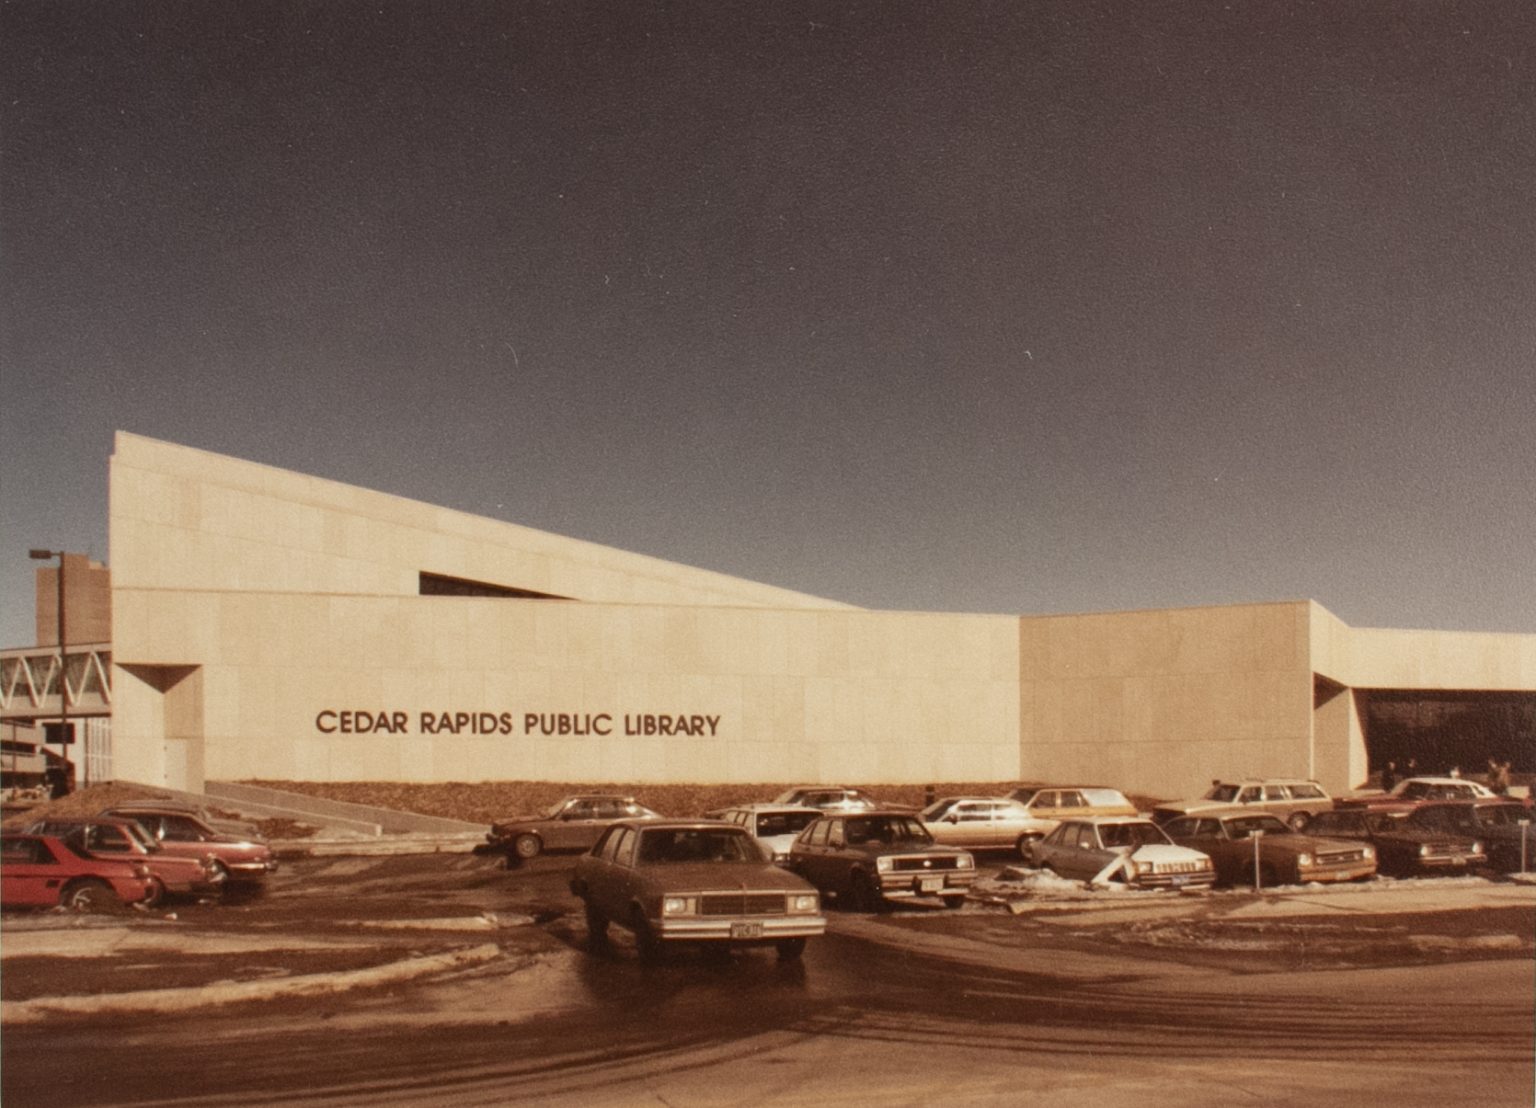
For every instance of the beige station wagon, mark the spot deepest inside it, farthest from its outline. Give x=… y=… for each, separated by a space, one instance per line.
x=1048 y=805
x=1293 y=800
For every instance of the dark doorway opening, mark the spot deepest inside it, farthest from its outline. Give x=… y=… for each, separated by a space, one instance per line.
x=1441 y=731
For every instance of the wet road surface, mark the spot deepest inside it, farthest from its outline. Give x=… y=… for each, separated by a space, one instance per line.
x=874 y=1014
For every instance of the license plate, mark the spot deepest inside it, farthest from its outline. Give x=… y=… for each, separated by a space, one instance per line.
x=1180 y=880
x=929 y=884
x=746 y=931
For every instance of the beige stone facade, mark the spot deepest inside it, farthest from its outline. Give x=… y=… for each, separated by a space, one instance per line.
x=273 y=625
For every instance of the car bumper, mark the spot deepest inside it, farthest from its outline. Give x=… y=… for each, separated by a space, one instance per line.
x=755 y=929
x=1202 y=880
x=250 y=871
x=1352 y=872
x=910 y=886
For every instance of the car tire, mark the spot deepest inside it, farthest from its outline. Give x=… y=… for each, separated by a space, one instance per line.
x=647 y=945
x=527 y=845
x=597 y=927
x=90 y=895
x=156 y=893
x=864 y=893
x=1023 y=845
x=790 y=949
x=218 y=873
x=1299 y=820
x=954 y=901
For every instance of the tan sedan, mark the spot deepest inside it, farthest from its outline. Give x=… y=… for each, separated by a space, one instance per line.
x=981 y=823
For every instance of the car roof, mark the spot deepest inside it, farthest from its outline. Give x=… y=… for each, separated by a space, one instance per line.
x=1096 y=820
x=1228 y=811
x=109 y=821
x=679 y=825
x=769 y=806
x=1266 y=781
x=972 y=799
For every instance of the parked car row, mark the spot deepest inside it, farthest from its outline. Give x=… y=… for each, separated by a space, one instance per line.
x=131 y=854
x=670 y=880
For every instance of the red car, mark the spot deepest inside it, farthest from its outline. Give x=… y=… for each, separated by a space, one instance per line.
x=1409 y=793
x=111 y=837
x=41 y=871
x=243 y=859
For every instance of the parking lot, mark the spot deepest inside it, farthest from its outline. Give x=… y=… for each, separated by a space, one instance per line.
x=450 y=978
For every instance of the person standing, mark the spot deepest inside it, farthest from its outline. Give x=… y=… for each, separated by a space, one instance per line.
x=1389 y=777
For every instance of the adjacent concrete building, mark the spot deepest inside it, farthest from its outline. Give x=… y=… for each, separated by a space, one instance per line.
x=267 y=624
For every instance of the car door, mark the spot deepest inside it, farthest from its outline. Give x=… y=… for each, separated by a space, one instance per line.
x=607 y=881
x=1070 y=803
x=971 y=826
x=29 y=873
x=1089 y=857
x=575 y=828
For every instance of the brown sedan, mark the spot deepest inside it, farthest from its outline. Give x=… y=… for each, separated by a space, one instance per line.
x=241 y=859
x=1249 y=845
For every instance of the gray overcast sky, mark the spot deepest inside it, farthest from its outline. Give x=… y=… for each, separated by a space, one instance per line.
x=1012 y=307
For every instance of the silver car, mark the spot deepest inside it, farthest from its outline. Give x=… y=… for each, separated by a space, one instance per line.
x=1125 y=849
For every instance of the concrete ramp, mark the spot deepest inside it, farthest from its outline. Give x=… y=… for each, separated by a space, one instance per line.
x=359 y=818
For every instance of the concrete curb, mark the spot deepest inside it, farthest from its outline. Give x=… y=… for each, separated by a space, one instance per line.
x=177 y=1000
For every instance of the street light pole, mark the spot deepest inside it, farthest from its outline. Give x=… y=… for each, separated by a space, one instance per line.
x=43 y=556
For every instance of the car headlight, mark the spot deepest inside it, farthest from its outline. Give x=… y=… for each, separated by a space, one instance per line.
x=804 y=904
x=965 y=861
x=1423 y=850
x=883 y=864
x=1306 y=859
x=676 y=906
x=1370 y=852
x=1477 y=848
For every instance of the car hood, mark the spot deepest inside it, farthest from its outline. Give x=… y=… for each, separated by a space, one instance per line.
x=700 y=877
x=1166 y=853
x=1306 y=844
x=877 y=850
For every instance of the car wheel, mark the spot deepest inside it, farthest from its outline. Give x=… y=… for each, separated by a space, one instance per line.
x=1023 y=846
x=90 y=895
x=156 y=892
x=527 y=846
x=954 y=901
x=1299 y=821
x=646 y=942
x=865 y=894
x=790 y=949
x=218 y=872
x=597 y=927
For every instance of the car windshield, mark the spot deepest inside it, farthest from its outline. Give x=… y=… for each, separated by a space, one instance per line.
x=936 y=810
x=886 y=830
x=1022 y=795
x=1224 y=793
x=1502 y=815
x=693 y=844
x=137 y=833
x=1244 y=827
x=1131 y=834
x=1336 y=823
x=784 y=823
